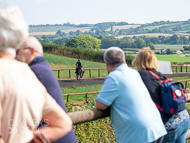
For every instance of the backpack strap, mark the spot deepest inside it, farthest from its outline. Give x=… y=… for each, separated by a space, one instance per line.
x=158 y=106
x=158 y=77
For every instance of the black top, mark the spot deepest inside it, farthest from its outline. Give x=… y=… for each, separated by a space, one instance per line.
x=44 y=73
x=154 y=87
x=78 y=63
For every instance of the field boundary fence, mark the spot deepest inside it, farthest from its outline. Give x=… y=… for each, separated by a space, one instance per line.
x=175 y=68
x=180 y=68
x=87 y=93
x=71 y=69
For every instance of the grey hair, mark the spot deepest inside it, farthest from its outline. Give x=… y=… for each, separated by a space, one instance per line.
x=13 y=27
x=114 y=56
x=35 y=43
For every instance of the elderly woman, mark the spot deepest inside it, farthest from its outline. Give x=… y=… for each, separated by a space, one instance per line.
x=24 y=101
x=175 y=124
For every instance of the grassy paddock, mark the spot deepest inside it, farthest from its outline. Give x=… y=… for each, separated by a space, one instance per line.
x=75 y=89
x=62 y=62
x=174 y=47
x=173 y=58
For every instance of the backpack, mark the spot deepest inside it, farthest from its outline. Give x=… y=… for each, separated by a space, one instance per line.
x=173 y=95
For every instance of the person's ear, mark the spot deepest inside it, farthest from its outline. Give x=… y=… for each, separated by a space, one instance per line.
x=33 y=50
x=106 y=64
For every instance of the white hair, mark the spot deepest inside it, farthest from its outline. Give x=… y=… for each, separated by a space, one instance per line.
x=32 y=42
x=13 y=28
x=114 y=56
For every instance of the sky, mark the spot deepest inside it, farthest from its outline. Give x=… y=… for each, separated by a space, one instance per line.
x=95 y=11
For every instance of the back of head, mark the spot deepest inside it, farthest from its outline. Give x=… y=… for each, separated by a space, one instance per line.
x=146 y=59
x=114 y=56
x=35 y=43
x=13 y=27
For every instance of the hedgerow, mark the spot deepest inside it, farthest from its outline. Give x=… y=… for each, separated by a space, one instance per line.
x=80 y=53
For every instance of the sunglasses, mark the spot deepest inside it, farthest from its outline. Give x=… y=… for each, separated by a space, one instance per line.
x=17 y=51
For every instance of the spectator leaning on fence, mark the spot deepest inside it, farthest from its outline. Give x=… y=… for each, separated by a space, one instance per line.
x=23 y=99
x=134 y=116
x=31 y=52
x=176 y=124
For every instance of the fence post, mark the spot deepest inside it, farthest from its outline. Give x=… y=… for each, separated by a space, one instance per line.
x=176 y=69
x=181 y=68
x=98 y=72
x=86 y=97
x=67 y=98
x=58 y=74
x=186 y=68
x=185 y=84
x=69 y=73
x=90 y=73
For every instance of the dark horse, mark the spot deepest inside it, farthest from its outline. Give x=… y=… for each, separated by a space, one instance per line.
x=79 y=72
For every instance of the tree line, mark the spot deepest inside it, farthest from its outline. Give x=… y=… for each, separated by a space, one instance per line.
x=80 y=53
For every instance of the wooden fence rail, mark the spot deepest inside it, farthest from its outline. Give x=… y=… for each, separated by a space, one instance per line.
x=79 y=102
x=94 y=114
x=86 y=94
x=90 y=75
x=90 y=69
x=181 y=68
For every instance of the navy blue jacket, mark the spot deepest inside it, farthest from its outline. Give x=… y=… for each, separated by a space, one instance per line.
x=44 y=73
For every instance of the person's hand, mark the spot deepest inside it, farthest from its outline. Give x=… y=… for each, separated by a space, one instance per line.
x=39 y=138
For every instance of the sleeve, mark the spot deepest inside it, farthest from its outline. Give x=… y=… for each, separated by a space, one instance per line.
x=49 y=104
x=109 y=91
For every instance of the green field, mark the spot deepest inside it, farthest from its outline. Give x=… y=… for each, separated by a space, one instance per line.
x=173 y=58
x=67 y=62
x=74 y=89
x=172 y=47
x=168 y=25
x=62 y=62
x=49 y=28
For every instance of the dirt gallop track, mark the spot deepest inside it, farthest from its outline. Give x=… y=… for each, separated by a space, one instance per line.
x=66 y=83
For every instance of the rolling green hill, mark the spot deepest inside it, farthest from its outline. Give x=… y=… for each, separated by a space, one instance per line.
x=168 y=25
x=49 y=28
x=58 y=62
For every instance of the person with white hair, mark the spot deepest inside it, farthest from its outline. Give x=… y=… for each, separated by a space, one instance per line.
x=31 y=52
x=135 y=118
x=24 y=101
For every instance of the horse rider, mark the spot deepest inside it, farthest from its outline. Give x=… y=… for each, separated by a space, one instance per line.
x=78 y=66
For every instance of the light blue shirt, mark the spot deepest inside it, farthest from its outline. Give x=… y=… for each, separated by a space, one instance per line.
x=134 y=116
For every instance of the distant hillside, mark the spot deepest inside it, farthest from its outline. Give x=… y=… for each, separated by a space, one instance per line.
x=123 y=27
x=148 y=34
x=115 y=29
x=44 y=30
